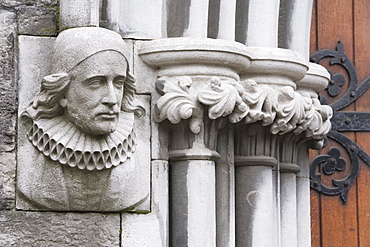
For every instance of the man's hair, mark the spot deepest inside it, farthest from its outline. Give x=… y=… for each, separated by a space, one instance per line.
x=53 y=88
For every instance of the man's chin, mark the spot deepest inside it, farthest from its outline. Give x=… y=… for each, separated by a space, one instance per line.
x=104 y=128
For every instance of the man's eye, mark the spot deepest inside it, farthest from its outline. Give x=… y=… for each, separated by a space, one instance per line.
x=119 y=83
x=95 y=83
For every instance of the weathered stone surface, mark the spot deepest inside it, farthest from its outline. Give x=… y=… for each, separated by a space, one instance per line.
x=142 y=230
x=39 y=3
x=137 y=19
x=37 y=21
x=34 y=64
x=7 y=75
x=7 y=175
x=145 y=74
x=78 y=13
x=58 y=229
x=150 y=229
x=47 y=182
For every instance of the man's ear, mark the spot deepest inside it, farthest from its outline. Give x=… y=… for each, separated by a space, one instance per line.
x=63 y=102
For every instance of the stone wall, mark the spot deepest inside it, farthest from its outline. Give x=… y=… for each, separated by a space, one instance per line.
x=220 y=138
x=38 y=20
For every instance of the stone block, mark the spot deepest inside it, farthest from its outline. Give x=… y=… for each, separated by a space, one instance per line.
x=37 y=21
x=145 y=74
x=34 y=61
x=146 y=77
x=38 y=3
x=58 y=229
x=7 y=176
x=7 y=76
x=34 y=64
x=139 y=230
x=78 y=13
x=150 y=229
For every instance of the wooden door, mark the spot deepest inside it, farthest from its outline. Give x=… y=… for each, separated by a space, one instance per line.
x=334 y=223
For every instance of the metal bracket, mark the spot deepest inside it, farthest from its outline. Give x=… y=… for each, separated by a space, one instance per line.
x=341 y=121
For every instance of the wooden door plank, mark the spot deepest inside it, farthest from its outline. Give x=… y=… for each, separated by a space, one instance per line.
x=362 y=57
x=315 y=197
x=339 y=223
x=363 y=181
x=315 y=220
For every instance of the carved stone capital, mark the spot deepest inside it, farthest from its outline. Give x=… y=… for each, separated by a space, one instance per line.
x=225 y=79
x=316 y=80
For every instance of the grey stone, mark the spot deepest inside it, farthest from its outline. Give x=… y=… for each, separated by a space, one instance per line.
x=32 y=49
x=150 y=229
x=46 y=181
x=139 y=230
x=58 y=229
x=39 y=3
x=193 y=203
x=254 y=206
x=78 y=13
x=7 y=176
x=37 y=21
x=7 y=77
x=144 y=73
x=288 y=209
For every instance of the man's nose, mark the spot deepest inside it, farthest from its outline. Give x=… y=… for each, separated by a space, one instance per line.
x=110 y=97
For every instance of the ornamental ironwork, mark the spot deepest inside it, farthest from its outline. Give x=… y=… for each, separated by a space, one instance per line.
x=342 y=121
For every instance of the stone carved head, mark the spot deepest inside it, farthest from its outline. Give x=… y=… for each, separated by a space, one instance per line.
x=90 y=82
x=83 y=113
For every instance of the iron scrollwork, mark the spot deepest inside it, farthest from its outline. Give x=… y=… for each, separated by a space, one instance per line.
x=342 y=121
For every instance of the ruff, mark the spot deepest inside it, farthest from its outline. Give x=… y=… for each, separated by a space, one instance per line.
x=63 y=142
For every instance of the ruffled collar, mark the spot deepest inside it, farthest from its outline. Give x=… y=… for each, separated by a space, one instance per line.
x=63 y=142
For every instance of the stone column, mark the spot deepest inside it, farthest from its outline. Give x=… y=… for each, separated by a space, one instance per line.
x=197 y=80
x=192 y=188
x=303 y=199
x=316 y=80
x=288 y=196
x=275 y=108
x=198 y=19
x=262 y=23
x=226 y=26
x=136 y=19
x=225 y=188
x=294 y=25
x=254 y=193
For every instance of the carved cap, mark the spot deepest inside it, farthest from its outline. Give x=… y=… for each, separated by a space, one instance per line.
x=74 y=45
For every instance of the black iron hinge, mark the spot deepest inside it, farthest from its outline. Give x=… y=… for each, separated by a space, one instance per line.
x=342 y=121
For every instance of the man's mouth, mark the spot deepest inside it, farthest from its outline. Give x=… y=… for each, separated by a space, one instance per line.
x=108 y=115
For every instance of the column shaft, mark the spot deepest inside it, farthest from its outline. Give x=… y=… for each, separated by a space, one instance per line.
x=288 y=209
x=303 y=199
x=192 y=205
x=226 y=25
x=254 y=206
x=225 y=189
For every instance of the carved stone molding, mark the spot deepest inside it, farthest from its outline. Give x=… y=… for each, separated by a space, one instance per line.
x=249 y=84
x=269 y=95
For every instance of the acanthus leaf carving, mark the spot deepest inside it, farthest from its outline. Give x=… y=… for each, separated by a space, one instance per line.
x=222 y=98
x=281 y=108
x=262 y=101
x=320 y=125
x=177 y=102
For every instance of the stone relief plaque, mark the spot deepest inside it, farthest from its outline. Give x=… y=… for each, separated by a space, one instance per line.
x=80 y=125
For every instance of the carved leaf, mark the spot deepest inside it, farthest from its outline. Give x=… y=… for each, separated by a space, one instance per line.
x=320 y=124
x=177 y=102
x=221 y=97
x=294 y=112
x=262 y=101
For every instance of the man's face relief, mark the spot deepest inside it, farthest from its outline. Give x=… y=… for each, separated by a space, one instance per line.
x=93 y=99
